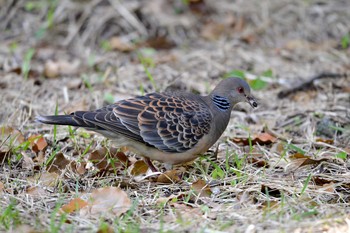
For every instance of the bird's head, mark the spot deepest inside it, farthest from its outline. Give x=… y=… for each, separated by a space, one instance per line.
x=235 y=90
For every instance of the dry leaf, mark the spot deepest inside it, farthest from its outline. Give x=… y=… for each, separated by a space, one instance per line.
x=212 y=31
x=107 y=199
x=36 y=191
x=37 y=142
x=74 y=205
x=301 y=160
x=201 y=188
x=2 y=187
x=26 y=229
x=184 y=211
x=160 y=42
x=54 y=69
x=105 y=229
x=271 y=191
x=80 y=168
x=328 y=141
x=269 y=205
x=58 y=163
x=40 y=159
x=138 y=168
x=46 y=179
x=171 y=176
x=4 y=156
x=11 y=135
x=261 y=139
x=102 y=159
x=27 y=161
x=118 y=44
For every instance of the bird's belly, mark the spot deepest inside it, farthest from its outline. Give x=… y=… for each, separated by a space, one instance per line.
x=167 y=157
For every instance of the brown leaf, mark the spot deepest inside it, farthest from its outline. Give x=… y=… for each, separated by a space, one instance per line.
x=36 y=191
x=4 y=156
x=37 y=142
x=268 y=205
x=107 y=199
x=58 y=163
x=54 y=69
x=11 y=135
x=212 y=31
x=138 y=168
x=103 y=159
x=27 y=161
x=168 y=177
x=74 y=205
x=328 y=141
x=184 y=211
x=201 y=188
x=300 y=160
x=45 y=179
x=80 y=168
x=40 y=159
x=118 y=44
x=271 y=191
x=261 y=139
x=105 y=229
x=2 y=187
x=160 y=42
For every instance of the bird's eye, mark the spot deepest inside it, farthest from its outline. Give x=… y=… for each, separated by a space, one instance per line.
x=240 y=90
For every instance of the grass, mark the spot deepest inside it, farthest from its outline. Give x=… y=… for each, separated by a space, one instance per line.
x=277 y=195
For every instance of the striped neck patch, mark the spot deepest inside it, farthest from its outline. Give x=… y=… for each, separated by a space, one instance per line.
x=221 y=103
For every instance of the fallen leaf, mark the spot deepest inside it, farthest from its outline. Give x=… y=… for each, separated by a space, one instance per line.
x=74 y=205
x=160 y=42
x=171 y=176
x=184 y=212
x=80 y=168
x=23 y=228
x=270 y=191
x=58 y=163
x=212 y=31
x=4 y=156
x=2 y=187
x=37 y=142
x=201 y=188
x=118 y=44
x=105 y=229
x=36 y=191
x=269 y=205
x=53 y=69
x=328 y=141
x=45 y=179
x=27 y=161
x=138 y=168
x=12 y=135
x=107 y=199
x=103 y=159
x=261 y=139
x=198 y=7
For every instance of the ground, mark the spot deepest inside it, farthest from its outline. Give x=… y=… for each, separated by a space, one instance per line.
x=283 y=167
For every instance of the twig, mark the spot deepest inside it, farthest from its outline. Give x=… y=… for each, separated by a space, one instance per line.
x=308 y=84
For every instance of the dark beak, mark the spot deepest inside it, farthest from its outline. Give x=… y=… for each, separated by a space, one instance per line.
x=251 y=100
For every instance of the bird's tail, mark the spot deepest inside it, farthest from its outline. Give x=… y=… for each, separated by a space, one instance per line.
x=59 y=120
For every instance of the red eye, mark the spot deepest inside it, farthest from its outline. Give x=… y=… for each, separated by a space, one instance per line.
x=240 y=90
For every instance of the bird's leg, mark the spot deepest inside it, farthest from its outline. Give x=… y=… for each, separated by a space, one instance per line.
x=150 y=164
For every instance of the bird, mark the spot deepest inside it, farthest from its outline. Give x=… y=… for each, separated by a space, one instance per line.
x=169 y=127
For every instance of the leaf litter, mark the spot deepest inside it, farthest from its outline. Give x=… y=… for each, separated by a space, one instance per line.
x=297 y=164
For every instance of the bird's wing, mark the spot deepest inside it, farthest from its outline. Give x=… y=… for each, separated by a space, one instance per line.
x=171 y=123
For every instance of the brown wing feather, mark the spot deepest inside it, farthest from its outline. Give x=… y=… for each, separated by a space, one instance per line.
x=169 y=123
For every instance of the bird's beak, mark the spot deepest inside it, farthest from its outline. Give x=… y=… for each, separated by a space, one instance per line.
x=251 y=100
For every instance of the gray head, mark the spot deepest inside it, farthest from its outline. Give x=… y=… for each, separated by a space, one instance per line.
x=235 y=90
